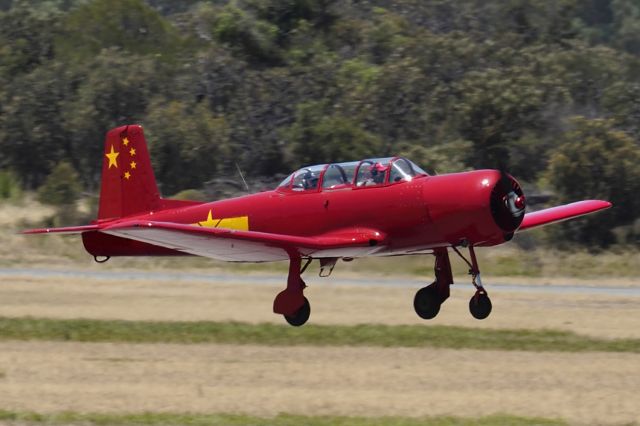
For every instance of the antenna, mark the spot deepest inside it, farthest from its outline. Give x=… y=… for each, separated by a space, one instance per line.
x=242 y=177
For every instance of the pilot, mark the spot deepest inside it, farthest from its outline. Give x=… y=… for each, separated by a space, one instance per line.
x=378 y=171
x=309 y=180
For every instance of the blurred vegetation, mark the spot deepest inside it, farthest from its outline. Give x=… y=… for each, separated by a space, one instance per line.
x=550 y=90
x=9 y=186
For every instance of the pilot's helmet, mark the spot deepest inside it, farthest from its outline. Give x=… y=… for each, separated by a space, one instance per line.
x=310 y=179
x=379 y=168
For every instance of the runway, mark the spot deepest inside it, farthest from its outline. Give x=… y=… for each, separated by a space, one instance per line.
x=311 y=279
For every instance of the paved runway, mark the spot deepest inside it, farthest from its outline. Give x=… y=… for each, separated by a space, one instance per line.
x=271 y=279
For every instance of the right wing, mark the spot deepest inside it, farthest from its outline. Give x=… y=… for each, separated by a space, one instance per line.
x=247 y=246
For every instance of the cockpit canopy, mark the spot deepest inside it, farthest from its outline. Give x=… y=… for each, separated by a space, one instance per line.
x=354 y=174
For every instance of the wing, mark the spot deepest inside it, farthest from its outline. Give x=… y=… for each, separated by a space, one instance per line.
x=560 y=213
x=248 y=246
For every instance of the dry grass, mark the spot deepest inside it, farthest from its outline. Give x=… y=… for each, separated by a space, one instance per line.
x=593 y=388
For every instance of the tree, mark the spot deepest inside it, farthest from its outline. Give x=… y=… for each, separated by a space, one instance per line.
x=26 y=38
x=129 y=25
x=33 y=138
x=627 y=25
x=115 y=91
x=188 y=144
x=317 y=138
x=495 y=107
x=246 y=35
x=594 y=160
x=62 y=186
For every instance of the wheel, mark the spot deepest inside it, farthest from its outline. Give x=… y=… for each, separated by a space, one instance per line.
x=480 y=306
x=427 y=302
x=301 y=316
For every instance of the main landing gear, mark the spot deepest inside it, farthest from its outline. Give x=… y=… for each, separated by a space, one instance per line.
x=428 y=300
x=290 y=302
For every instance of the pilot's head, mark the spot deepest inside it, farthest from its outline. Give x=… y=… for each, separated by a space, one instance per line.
x=378 y=170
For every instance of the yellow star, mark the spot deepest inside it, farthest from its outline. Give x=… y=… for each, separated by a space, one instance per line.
x=210 y=222
x=112 y=156
x=125 y=141
x=133 y=165
x=127 y=175
x=132 y=152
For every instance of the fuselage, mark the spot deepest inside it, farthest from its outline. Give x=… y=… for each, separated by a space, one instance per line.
x=410 y=216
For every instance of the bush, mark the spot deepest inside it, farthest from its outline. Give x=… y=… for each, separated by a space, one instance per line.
x=62 y=187
x=9 y=186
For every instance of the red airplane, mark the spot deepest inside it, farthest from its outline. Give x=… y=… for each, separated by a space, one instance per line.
x=373 y=207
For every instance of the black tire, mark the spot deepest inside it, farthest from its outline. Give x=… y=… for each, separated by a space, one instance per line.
x=427 y=302
x=480 y=306
x=301 y=316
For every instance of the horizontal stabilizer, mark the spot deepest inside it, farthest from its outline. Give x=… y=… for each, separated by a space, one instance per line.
x=560 y=213
x=66 y=230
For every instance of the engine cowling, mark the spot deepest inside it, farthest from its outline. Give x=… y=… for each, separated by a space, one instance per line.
x=507 y=203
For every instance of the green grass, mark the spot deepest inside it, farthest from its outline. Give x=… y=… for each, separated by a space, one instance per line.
x=84 y=330
x=162 y=419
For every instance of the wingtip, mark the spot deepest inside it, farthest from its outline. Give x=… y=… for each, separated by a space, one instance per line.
x=601 y=204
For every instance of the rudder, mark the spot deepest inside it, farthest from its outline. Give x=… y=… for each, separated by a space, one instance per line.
x=128 y=183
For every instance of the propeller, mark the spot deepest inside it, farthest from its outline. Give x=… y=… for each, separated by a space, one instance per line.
x=507 y=201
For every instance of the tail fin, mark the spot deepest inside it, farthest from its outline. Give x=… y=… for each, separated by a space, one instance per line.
x=128 y=183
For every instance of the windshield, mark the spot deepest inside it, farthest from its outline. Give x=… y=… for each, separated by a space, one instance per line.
x=404 y=170
x=307 y=179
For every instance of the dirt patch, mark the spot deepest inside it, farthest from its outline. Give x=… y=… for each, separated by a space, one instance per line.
x=594 y=315
x=594 y=388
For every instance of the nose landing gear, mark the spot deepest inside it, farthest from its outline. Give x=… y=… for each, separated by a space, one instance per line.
x=480 y=304
x=429 y=299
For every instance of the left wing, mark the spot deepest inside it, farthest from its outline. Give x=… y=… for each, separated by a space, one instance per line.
x=560 y=213
x=247 y=246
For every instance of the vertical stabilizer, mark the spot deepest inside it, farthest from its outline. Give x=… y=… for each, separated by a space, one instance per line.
x=128 y=183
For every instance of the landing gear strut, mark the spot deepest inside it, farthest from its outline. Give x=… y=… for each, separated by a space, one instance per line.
x=480 y=304
x=291 y=302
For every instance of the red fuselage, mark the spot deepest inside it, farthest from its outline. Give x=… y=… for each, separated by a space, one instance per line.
x=410 y=216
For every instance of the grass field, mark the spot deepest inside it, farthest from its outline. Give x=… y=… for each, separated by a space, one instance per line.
x=409 y=336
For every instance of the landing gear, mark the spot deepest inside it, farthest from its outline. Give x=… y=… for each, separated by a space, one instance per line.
x=480 y=304
x=428 y=300
x=301 y=316
x=291 y=302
